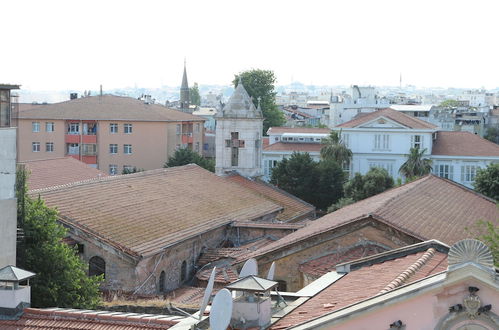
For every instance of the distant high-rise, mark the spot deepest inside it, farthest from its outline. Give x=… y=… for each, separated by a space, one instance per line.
x=184 y=93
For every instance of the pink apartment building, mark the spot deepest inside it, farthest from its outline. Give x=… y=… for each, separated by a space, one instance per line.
x=111 y=133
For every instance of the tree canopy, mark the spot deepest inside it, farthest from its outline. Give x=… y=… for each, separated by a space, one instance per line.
x=415 y=165
x=318 y=183
x=492 y=134
x=335 y=149
x=61 y=276
x=194 y=96
x=375 y=181
x=487 y=181
x=449 y=104
x=186 y=156
x=260 y=84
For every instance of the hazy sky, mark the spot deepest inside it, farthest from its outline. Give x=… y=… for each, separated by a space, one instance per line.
x=53 y=45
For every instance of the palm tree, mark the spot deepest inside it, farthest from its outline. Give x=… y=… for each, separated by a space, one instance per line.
x=334 y=148
x=415 y=165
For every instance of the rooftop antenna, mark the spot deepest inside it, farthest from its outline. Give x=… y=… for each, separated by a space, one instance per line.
x=250 y=267
x=221 y=310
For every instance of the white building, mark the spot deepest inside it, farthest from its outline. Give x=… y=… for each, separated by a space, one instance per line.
x=238 y=137
x=8 y=204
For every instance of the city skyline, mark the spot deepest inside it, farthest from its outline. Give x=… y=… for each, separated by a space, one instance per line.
x=61 y=46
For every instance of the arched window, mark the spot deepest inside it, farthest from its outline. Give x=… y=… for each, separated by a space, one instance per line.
x=96 y=266
x=183 y=272
x=162 y=278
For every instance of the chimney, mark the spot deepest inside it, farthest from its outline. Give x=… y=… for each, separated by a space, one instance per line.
x=73 y=96
x=13 y=296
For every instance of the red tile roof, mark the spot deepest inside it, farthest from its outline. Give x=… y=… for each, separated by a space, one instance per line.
x=280 y=130
x=106 y=107
x=59 y=171
x=320 y=266
x=428 y=208
x=365 y=283
x=293 y=207
x=142 y=213
x=298 y=147
x=391 y=114
x=223 y=275
x=463 y=144
x=58 y=319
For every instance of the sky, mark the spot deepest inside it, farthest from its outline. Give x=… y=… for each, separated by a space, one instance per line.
x=79 y=45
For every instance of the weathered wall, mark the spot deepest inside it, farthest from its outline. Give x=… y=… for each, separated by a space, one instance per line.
x=241 y=235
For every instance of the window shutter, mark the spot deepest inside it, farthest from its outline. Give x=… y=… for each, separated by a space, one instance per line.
x=412 y=141
x=451 y=172
x=462 y=173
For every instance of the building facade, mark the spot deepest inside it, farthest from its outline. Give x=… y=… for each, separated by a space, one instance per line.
x=111 y=133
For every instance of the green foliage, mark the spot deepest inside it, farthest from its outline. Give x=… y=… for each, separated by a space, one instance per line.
x=186 y=156
x=449 y=104
x=487 y=181
x=61 y=278
x=375 y=181
x=260 y=84
x=134 y=170
x=342 y=202
x=194 y=96
x=319 y=183
x=415 y=165
x=335 y=149
x=488 y=232
x=492 y=134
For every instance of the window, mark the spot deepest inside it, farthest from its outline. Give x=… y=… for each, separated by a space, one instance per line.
x=282 y=286
x=197 y=147
x=5 y=108
x=73 y=149
x=74 y=128
x=177 y=147
x=89 y=149
x=127 y=169
x=417 y=141
x=113 y=169
x=35 y=146
x=179 y=129
x=269 y=164
x=49 y=147
x=162 y=278
x=127 y=149
x=346 y=139
x=445 y=171
x=468 y=173
x=381 y=141
x=49 y=127
x=113 y=128
x=346 y=166
x=96 y=266
x=387 y=165
x=113 y=149
x=183 y=271
x=197 y=128
x=127 y=128
x=35 y=127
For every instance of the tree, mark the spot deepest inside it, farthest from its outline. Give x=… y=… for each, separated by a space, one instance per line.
x=186 y=156
x=415 y=165
x=487 y=181
x=449 y=104
x=260 y=84
x=342 y=202
x=375 y=181
x=488 y=233
x=492 y=134
x=194 y=96
x=319 y=183
x=61 y=278
x=133 y=170
x=334 y=148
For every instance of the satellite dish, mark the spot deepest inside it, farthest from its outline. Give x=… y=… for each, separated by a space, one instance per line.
x=221 y=310
x=207 y=293
x=250 y=267
x=270 y=275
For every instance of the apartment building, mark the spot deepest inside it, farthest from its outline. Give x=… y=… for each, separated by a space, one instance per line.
x=111 y=133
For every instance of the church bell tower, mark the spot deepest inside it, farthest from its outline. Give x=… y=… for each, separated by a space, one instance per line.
x=184 y=93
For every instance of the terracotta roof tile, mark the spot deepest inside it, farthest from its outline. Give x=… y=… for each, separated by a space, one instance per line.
x=57 y=319
x=463 y=144
x=106 y=107
x=428 y=208
x=298 y=147
x=223 y=275
x=362 y=284
x=394 y=115
x=293 y=207
x=59 y=171
x=142 y=213
x=280 y=130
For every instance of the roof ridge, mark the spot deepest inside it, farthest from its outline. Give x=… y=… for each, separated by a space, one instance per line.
x=409 y=272
x=463 y=187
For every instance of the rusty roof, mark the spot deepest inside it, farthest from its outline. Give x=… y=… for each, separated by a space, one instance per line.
x=105 y=107
x=427 y=208
x=144 y=212
x=367 y=282
x=298 y=147
x=463 y=144
x=56 y=319
x=391 y=114
x=293 y=207
x=58 y=171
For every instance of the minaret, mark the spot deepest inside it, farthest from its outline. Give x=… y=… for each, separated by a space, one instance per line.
x=184 y=92
x=238 y=138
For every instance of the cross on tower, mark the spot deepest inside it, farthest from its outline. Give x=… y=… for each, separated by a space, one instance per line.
x=234 y=143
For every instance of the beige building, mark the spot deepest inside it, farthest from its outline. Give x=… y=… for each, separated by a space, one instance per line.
x=111 y=133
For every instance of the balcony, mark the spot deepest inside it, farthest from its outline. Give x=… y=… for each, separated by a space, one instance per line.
x=187 y=138
x=72 y=138
x=89 y=159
